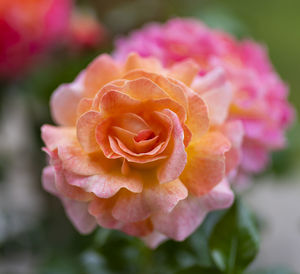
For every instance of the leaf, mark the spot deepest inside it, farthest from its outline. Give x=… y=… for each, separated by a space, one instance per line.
x=234 y=241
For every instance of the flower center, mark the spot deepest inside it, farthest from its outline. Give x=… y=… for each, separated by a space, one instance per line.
x=144 y=135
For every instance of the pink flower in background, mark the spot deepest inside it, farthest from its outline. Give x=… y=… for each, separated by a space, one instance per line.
x=85 y=30
x=139 y=150
x=27 y=28
x=260 y=96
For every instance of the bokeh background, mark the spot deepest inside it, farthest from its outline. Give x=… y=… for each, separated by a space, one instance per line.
x=35 y=235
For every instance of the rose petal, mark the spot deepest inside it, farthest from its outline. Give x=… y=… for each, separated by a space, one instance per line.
x=101 y=210
x=114 y=102
x=174 y=91
x=138 y=229
x=146 y=145
x=74 y=159
x=86 y=127
x=102 y=131
x=182 y=220
x=107 y=184
x=67 y=190
x=134 y=61
x=101 y=71
x=132 y=122
x=154 y=239
x=255 y=156
x=84 y=105
x=115 y=85
x=221 y=196
x=198 y=121
x=175 y=163
x=234 y=131
x=211 y=80
x=70 y=95
x=185 y=71
x=218 y=101
x=130 y=208
x=48 y=180
x=164 y=197
x=78 y=214
x=119 y=149
x=55 y=136
x=206 y=163
x=144 y=89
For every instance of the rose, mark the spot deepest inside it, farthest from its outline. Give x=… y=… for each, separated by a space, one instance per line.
x=138 y=150
x=85 y=31
x=260 y=96
x=28 y=28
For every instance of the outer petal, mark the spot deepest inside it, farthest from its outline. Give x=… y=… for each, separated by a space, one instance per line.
x=185 y=71
x=164 y=197
x=77 y=211
x=74 y=159
x=189 y=213
x=67 y=190
x=106 y=185
x=206 y=163
x=210 y=81
x=130 y=208
x=234 y=132
x=218 y=102
x=56 y=136
x=78 y=214
x=101 y=71
x=197 y=120
x=86 y=126
x=175 y=163
x=182 y=220
x=154 y=239
x=138 y=229
x=217 y=93
x=101 y=210
x=67 y=95
x=84 y=105
x=221 y=196
x=48 y=180
x=134 y=61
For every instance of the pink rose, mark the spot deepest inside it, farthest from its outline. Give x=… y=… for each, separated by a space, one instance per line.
x=139 y=150
x=260 y=96
x=85 y=30
x=27 y=28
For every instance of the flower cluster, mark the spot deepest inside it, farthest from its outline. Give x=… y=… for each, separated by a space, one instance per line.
x=259 y=95
x=147 y=141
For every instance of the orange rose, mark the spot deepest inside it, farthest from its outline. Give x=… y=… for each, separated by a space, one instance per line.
x=139 y=150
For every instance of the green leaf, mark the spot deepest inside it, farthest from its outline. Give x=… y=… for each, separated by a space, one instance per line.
x=234 y=241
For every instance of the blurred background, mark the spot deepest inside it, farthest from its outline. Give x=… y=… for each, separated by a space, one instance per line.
x=35 y=235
